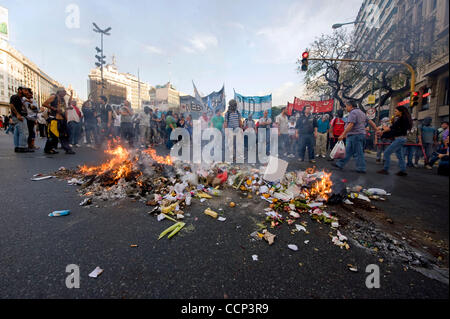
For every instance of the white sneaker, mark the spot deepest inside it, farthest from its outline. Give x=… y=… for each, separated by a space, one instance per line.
x=77 y=145
x=71 y=145
x=323 y=156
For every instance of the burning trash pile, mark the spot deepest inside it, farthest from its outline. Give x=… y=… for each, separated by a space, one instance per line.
x=171 y=185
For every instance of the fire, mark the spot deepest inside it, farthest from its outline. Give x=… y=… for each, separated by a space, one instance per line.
x=119 y=162
x=321 y=188
x=159 y=159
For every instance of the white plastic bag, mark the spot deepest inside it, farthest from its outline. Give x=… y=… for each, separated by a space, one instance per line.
x=338 y=150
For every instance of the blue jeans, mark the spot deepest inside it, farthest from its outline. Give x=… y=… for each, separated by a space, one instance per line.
x=90 y=129
x=306 y=140
x=354 y=148
x=74 y=132
x=20 y=133
x=397 y=148
x=409 y=151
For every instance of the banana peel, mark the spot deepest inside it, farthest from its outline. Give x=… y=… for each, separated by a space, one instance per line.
x=175 y=228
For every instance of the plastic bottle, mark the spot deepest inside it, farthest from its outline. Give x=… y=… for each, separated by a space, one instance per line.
x=59 y=213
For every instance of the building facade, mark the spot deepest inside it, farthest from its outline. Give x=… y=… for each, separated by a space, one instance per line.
x=165 y=97
x=16 y=70
x=427 y=23
x=118 y=87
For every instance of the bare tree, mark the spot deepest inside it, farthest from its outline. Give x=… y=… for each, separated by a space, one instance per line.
x=404 y=42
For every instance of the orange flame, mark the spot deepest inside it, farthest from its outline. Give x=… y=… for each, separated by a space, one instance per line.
x=120 y=156
x=159 y=159
x=320 y=188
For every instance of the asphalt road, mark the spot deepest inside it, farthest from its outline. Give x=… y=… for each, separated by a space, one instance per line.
x=209 y=259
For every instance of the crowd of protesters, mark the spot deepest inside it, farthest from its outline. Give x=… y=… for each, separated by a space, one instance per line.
x=301 y=135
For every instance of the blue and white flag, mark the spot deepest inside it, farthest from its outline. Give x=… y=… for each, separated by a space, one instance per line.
x=254 y=105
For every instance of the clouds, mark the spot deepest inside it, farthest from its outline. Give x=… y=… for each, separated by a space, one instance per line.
x=83 y=42
x=201 y=43
x=153 y=50
x=286 y=92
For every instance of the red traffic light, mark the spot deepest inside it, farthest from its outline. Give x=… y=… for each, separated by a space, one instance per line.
x=305 y=55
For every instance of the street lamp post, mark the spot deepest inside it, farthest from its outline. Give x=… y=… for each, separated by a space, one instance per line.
x=101 y=58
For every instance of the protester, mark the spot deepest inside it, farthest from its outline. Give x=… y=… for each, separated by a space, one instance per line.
x=428 y=135
x=265 y=122
x=292 y=140
x=171 y=124
x=337 y=127
x=144 y=126
x=323 y=126
x=204 y=121
x=32 y=112
x=126 y=122
x=232 y=117
x=443 y=132
x=397 y=131
x=18 y=114
x=217 y=121
x=42 y=122
x=410 y=149
x=382 y=141
x=104 y=113
x=306 y=132
x=10 y=127
x=90 y=124
x=57 y=124
x=117 y=116
x=189 y=124
x=154 y=123
x=354 y=132
x=282 y=121
x=440 y=154
x=74 y=117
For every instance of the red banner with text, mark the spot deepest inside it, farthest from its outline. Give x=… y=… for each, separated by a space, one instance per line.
x=317 y=106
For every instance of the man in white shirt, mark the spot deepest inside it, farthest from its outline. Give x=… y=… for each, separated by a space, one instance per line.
x=283 y=131
x=74 y=116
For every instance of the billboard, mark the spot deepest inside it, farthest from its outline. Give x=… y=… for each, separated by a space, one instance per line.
x=4 y=25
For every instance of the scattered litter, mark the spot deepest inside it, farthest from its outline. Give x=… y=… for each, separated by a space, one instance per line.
x=37 y=179
x=352 y=268
x=275 y=169
x=211 y=213
x=174 y=229
x=161 y=217
x=86 y=202
x=256 y=235
x=59 y=213
x=348 y=202
x=232 y=204
x=255 y=257
x=306 y=242
x=75 y=181
x=377 y=191
x=202 y=200
x=300 y=228
x=96 y=272
x=221 y=219
x=293 y=247
x=269 y=237
x=133 y=246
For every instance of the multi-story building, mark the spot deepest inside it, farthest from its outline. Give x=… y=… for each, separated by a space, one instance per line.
x=424 y=25
x=118 y=86
x=16 y=70
x=165 y=97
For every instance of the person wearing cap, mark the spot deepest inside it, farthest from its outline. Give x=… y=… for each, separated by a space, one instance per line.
x=57 y=127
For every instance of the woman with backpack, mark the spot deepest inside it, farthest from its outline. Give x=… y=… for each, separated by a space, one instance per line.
x=337 y=127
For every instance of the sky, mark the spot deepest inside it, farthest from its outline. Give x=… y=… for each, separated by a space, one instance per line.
x=250 y=46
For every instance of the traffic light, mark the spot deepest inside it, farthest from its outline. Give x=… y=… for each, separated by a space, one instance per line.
x=414 y=101
x=305 y=57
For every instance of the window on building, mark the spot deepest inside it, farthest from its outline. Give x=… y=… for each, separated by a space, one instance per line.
x=446 y=100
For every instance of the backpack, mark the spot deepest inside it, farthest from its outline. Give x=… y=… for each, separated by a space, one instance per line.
x=338 y=126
